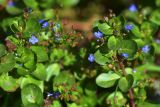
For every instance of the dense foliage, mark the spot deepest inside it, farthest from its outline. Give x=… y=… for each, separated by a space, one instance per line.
x=44 y=65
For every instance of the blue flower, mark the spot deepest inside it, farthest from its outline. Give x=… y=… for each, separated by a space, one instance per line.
x=41 y=21
x=55 y=94
x=128 y=27
x=33 y=39
x=49 y=94
x=91 y=57
x=125 y=55
x=10 y=3
x=45 y=24
x=133 y=8
x=98 y=34
x=145 y=49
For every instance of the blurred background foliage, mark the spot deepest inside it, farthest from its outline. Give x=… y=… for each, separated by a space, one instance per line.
x=70 y=66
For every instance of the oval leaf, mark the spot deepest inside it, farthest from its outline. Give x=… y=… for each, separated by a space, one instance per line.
x=105 y=80
x=123 y=84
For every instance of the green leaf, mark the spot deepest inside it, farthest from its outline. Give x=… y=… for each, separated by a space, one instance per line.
x=67 y=3
x=40 y=71
x=56 y=104
x=106 y=80
x=112 y=43
x=31 y=3
x=155 y=17
x=123 y=84
x=149 y=67
x=65 y=78
x=120 y=99
x=32 y=27
x=41 y=53
x=128 y=46
x=136 y=31
x=13 y=10
x=2 y=50
x=31 y=94
x=130 y=80
x=148 y=28
x=100 y=58
x=27 y=57
x=105 y=28
x=53 y=69
x=8 y=83
x=7 y=63
x=158 y=3
x=30 y=80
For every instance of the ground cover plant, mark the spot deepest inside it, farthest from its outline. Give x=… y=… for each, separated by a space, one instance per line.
x=43 y=63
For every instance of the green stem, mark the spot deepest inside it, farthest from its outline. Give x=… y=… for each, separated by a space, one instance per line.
x=132 y=103
x=115 y=100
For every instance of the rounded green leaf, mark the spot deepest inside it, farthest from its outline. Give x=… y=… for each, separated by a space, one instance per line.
x=123 y=84
x=112 y=43
x=30 y=80
x=8 y=83
x=106 y=80
x=155 y=17
x=31 y=3
x=65 y=78
x=13 y=10
x=32 y=27
x=128 y=46
x=67 y=3
x=53 y=69
x=40 y=71
x=7 y=63
x=100 y=58
x=40 y=52
x=31 y=94
x=105 y=28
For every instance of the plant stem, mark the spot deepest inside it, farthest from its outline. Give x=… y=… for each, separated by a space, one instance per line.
x=132 y=103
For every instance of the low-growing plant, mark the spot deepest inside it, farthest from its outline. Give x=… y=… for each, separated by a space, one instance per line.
x=43 y=65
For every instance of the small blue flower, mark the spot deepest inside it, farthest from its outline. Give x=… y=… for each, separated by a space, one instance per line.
x=98 y=34
x=145 y=49
x=56 y=94
x=45 y=24
x=132 y=8
x=91 y=57
x=125 y=55
x=128 y=27
x=33 y=39
x=49 y=94
x=11 y=3
x=41 y=21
